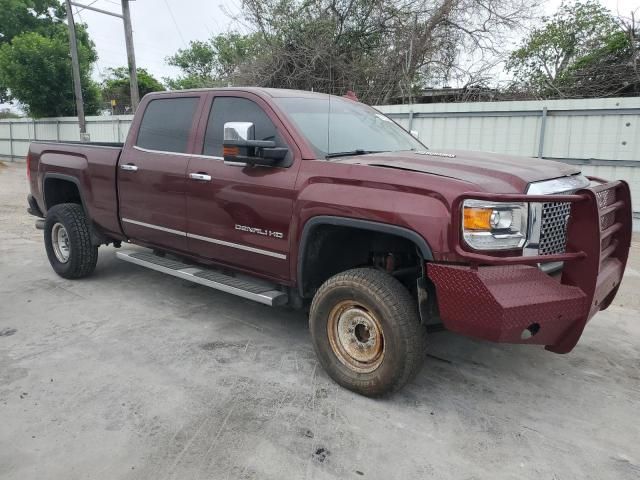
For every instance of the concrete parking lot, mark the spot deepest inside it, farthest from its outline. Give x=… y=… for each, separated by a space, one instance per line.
x=132 y=374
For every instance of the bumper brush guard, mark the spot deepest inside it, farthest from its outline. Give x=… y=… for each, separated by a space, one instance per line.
x=509 y=299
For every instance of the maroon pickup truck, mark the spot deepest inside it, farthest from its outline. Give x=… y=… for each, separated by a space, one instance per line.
x=298 y=198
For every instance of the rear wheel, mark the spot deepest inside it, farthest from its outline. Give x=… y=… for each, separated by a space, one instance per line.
x=366 y=331
x=67 y=239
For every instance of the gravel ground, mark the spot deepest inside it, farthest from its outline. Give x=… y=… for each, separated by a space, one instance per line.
x=133 y=374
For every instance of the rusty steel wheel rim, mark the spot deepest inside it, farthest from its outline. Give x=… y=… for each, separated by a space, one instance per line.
x=356 y=336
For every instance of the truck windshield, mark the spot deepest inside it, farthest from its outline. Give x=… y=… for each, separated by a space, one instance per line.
x=344 y=127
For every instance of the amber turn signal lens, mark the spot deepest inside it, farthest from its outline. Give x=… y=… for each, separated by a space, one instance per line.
x=230 y=151
x=477 y=218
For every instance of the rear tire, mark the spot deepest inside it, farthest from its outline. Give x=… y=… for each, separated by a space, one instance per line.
x=366 y=331
x=67 y=240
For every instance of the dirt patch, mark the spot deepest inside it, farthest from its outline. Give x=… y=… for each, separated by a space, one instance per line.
x=7 y=332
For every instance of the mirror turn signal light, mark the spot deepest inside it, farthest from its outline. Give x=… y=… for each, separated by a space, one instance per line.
x=230 y=151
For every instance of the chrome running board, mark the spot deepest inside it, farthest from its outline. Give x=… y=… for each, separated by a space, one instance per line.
x=256 y=290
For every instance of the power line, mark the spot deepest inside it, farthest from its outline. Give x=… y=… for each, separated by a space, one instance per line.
x=174 y=22
x=78 y=10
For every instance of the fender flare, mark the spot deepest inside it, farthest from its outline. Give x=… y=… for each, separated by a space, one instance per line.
x=97 y=237
x=314 y=222
x=68 y=178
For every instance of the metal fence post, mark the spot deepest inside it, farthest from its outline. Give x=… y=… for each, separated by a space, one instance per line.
x=410 y=119
x=57 y=130
x=118 y=129
x=11 y=140
x=543 y=128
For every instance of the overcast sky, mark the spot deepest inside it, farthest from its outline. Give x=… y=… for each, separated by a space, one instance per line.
x=160 y=28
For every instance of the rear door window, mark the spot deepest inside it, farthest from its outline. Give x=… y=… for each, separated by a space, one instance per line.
x=234 y=109
x=166 y=124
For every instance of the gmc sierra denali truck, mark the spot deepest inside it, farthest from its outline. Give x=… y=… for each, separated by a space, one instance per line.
x=298 y=198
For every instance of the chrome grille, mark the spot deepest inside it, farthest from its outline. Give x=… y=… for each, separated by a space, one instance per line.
x=553 y=228
x=548 y=220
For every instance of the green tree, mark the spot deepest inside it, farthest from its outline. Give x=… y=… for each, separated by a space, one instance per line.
x=197 y=60
x=36 y=69
x=191 y=81
x=561 y=57
x=116 y=86
x=211 y=63
x=20 y=16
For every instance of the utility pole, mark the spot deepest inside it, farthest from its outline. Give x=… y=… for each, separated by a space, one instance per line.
x=128 y=37
x=75 y=67
x=131 y=56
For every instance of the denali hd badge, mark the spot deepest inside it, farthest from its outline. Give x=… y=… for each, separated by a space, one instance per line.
x=259 y=231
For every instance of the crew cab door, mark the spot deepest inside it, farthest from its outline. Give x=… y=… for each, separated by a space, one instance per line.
x=152 y=171
x=240 y=215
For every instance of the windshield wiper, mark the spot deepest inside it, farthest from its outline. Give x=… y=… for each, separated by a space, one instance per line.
x=352 y=153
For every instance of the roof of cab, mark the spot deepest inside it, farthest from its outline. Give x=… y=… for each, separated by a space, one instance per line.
x=270 y=92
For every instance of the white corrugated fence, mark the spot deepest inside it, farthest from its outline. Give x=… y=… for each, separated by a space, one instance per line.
x=16 y=133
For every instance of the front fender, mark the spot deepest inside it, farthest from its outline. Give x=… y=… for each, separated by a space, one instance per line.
x=420 y=218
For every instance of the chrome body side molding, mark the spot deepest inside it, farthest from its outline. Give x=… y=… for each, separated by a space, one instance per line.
x=217 y=241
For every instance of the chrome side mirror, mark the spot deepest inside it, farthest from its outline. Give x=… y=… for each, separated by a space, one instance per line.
x=415 y=133
x=239 y=131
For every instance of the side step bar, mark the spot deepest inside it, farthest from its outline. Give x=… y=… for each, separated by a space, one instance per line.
x=255 y=290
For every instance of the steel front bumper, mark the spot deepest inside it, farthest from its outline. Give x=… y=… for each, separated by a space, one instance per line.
x=509 y=299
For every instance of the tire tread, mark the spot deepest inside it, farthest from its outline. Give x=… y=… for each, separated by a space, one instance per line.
x=84 y=255
x=390 y=292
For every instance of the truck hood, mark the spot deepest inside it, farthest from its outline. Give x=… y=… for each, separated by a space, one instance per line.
x=491 y=172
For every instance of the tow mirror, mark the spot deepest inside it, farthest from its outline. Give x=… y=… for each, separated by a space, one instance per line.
x=240 y=148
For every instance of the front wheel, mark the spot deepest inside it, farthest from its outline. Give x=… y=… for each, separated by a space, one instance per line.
x=67 y=239
x=366 y=331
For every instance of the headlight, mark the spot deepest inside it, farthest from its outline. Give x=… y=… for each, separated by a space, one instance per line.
x=494 y=225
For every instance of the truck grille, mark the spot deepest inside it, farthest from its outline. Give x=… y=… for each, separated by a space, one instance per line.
x=553 y=228
x=553 y=231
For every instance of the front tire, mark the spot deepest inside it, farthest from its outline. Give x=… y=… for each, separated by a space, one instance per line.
x=366 y=331
x=67 y=240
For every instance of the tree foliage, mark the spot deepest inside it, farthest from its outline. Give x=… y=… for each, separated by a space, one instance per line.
x=35 y=65
x=20 y=16
x=212 y=63
x=116 y=86
x=381 y=49
x=580 y=51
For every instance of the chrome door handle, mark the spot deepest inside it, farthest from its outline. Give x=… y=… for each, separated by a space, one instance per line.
x=203 y=177
x=130 y=167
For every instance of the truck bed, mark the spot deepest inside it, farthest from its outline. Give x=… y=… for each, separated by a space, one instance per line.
x=91 y=166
